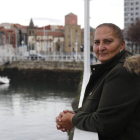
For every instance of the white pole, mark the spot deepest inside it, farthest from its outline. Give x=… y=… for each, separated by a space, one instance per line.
x=80 y=134
x=76 y=49
x=60 y=48
x=87 y=39
x=9 y=38
x=40 y=44
x=37 y=49
x=22 y=48
x=44 y=43
x=71 y=41
x=22 y=51
x=5 y=47
x=54 y=50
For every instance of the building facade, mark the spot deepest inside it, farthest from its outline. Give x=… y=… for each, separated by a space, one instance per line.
x=72 y=34
x=51 y=38
x=2 y=36
x=131 y=16
x=10 y=37
x=31 y=35
x=131 y=12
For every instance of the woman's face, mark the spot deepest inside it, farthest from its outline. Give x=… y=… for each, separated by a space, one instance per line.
x=106 y=45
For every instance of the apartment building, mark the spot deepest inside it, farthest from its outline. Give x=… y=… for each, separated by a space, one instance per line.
x=131 y=16
x=131 y=12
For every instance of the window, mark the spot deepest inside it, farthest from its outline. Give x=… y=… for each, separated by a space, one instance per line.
x=137 y=3
x=127 y=14
x=137 y=19
x=137 y=13
x=126 y=4
x=127 y=9
x=132 y=3
x=131 y=19
x=132 y=8
x=126 y=24
x=126 y=19
x=137 y=8
x=132 y=14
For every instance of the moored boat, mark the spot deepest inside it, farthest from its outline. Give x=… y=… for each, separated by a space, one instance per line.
x=4 y=80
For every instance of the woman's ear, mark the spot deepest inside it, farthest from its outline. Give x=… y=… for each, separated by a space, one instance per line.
x=123 y=45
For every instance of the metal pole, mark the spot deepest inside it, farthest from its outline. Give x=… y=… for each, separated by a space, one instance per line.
x=9 y=38
x=54 y=50
x=22 y=48
x=44 y=44
x=76 y=49
x=71 y=41
x=79 y=134
x=87 y=39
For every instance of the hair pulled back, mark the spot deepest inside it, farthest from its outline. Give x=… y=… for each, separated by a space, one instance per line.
x=117 y=31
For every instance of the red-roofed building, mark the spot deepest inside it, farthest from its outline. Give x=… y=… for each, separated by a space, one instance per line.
x=72 y=33
x=2 y=36
x=49 y=39
x=10 y=37
x=21 y=32
x=71 y=19
x=46 y=28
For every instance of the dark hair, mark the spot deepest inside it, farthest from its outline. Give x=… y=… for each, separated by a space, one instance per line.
x=117 y=31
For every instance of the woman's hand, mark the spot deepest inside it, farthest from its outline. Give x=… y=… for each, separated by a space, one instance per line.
x=64 y=120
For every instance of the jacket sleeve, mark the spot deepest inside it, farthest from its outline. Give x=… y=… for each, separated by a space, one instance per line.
x=118 y=101
x=77 y=110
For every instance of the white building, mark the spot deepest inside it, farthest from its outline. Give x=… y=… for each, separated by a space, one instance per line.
x=6 y=25
x=131 y=15
x=131 y=12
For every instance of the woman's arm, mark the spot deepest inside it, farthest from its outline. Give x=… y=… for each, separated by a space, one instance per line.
x=118 y=101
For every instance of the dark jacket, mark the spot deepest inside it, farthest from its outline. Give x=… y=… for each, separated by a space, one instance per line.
x=111 y=105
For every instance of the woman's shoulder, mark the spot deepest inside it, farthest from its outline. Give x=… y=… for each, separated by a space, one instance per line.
x=129 y=68
x=132 y=64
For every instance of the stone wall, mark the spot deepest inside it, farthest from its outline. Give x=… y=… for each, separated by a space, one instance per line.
x=49 y=65
x=61 y=72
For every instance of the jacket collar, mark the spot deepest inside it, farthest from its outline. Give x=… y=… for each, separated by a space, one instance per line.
x=109 y=64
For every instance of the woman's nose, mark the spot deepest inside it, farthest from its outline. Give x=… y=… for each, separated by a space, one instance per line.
x=101 y=47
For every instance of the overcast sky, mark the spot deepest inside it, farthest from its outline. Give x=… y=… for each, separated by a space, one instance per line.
x=45 y=12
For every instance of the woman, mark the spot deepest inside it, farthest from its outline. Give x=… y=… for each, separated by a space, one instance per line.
x=111 y=105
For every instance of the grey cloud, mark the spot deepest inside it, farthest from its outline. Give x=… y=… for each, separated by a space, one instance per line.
x=48 y=19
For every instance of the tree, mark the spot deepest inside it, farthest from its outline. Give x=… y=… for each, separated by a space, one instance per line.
x=133 y=35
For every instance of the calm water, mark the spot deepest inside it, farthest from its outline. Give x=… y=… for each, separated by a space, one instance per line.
x=28 y=110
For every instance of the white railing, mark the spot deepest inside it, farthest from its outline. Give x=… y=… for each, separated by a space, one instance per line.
x=50 y=57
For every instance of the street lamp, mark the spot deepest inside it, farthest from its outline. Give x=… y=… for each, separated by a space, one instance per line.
x=22 y=48
x=76 y=49
x=38 y=45
x=54 y=51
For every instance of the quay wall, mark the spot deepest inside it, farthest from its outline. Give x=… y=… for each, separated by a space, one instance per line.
x=49 y=71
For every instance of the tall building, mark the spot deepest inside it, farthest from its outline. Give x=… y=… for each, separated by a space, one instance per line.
x=71 y=19
x=131 y=16
x=131 y=12
x=72 y=34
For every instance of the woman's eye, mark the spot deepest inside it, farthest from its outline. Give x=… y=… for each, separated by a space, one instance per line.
x=96 y=42
x=107 y=41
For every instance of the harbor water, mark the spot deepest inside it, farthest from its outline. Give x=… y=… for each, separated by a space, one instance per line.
x=28 y=110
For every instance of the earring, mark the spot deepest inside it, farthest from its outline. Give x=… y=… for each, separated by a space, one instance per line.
x=120 y=50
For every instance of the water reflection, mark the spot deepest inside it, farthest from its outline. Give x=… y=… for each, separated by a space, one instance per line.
x=4 y=87
x=28 y=110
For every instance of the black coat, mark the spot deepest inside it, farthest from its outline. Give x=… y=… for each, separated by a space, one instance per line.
x=111 y=105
